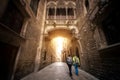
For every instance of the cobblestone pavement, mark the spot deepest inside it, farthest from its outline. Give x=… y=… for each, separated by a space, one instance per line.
x=58 y=71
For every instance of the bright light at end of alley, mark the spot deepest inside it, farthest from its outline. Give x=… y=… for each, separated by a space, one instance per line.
x=60 y=44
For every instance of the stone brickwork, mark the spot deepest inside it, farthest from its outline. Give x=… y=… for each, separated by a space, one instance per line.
x=26 y=60
x=90 y=56
x=110 y=63
x=47 y=54
x=97 y=57
x=27 y=56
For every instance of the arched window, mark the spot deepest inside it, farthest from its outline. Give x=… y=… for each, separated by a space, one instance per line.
x=87 y=4
x=60 y=10
x=34 y=5
x=51 y=12
x=61 y=13
x=57 y=11
x=70 y=13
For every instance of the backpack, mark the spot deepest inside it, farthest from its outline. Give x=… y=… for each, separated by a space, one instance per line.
x=69 y=60
x=77 y=60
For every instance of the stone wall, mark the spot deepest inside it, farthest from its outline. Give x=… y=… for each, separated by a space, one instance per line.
x=27 y=56
x=97 y=57
x=110 y=63
x=89 y=56
x=10 y=38
x=47 y=54
x=28 y=52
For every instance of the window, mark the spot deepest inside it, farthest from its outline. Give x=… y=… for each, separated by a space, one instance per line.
x=51 y=12
x=58 y=11
x=12 y=18
x=34 y=5
x=87 y=4
x=70 y=12
x=61 y=11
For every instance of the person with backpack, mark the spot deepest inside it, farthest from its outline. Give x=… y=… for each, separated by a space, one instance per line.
x=76 y=63
x=69 y=63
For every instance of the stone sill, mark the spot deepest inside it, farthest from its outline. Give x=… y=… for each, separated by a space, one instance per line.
x=111 y=48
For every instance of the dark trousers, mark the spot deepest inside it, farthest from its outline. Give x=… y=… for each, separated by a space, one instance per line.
x=70 y=69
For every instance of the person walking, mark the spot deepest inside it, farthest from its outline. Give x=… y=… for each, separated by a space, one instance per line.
x=69 y=63
x=76 y=63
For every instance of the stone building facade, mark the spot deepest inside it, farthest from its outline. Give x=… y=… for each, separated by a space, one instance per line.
x=28 y=26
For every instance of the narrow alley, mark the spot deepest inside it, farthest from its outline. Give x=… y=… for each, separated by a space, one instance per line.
x=58 y=71
x=38 y=36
